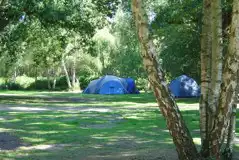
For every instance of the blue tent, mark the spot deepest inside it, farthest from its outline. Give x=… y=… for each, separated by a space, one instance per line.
x=184 y=87
x=131 y=87
x=111 y=85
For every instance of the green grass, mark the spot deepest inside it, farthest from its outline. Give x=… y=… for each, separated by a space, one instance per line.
x=140 y=98
x=140 y=128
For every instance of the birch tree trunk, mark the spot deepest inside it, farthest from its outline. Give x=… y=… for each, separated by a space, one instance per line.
x=66 y=72
x=54 y=79
x=232 y=126
x=74 y=85
x=178 y=130
x=206 y=49
x=36 y=74
x=216 y=60
x=48 y=79
x=216 y=63
x=54 y=83
x=228 y=87
x=74 y=74
x=14 y=74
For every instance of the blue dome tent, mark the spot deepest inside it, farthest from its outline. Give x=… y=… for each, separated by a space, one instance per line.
x=111 y=85
x=184 y=87
x=131 y=87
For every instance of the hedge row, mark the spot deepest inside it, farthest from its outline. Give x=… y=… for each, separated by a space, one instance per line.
x=29 y=83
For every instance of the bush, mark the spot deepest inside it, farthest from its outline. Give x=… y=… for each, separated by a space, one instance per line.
x=10 y=86
x=39 y=84
x=85 y=80
x=13 y=86
x=3 y=85
x=61 y=83
x=2 y=80
x=24 y=81
x=42 y=84
x=141 y=83
x=28 y=83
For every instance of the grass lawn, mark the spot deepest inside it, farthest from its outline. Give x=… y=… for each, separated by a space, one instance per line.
x=57 y=126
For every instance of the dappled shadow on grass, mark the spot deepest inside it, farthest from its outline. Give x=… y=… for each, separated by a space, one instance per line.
x=90 y=134
x=50 y=100
x=87 y=98
x=9 y=142
x=57 y=135
x=127 y=138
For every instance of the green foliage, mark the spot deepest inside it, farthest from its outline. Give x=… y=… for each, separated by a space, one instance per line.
x=141 y=83
x=28 y=83
x=61 y=83
x=24 y=81
x=118 y=48
x=21 y=83
x=126 y=60
x=177 y=26
x=13 y=86
x=85 y=80
x=36 y=33
x=39 y=84
x=98 y=36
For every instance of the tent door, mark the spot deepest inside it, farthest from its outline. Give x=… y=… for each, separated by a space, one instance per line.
x=111 y=90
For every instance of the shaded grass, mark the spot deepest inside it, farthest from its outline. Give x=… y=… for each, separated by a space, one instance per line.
x=141 y=128
x=134 y=98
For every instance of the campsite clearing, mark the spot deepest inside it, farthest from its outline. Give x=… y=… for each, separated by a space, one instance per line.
x=45 y=125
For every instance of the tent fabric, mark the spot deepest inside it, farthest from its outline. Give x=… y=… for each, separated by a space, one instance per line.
x=111 y=85
x=184 y=87
x=131 y=87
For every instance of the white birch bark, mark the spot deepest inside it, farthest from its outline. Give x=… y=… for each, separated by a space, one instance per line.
x=206 y=49
x=228 y=87
x=66 y=72
x=177 y=127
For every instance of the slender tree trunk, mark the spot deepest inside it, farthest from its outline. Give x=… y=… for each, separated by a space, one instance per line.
x=74 y=74
x=48 y=79
x=54 y=83
x=15 y=75
x=66 y=73
x=206 y=49
x=54 y=79
x=228 y=87
x=36 y=74
x=216 y=63
x=216 y=69
x=226 y=21
x=227 y=155
x=178 y=130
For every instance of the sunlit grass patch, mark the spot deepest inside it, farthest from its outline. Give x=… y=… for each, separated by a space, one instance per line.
x=104 y=125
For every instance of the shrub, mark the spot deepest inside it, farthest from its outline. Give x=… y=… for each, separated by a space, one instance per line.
x=61 y=83
x=42 y=84
x=24 y=81
x=141 y=83
x=85 y=80
x=3 y=85
x=39 y=84
x=13 y=86
x=2 y=80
